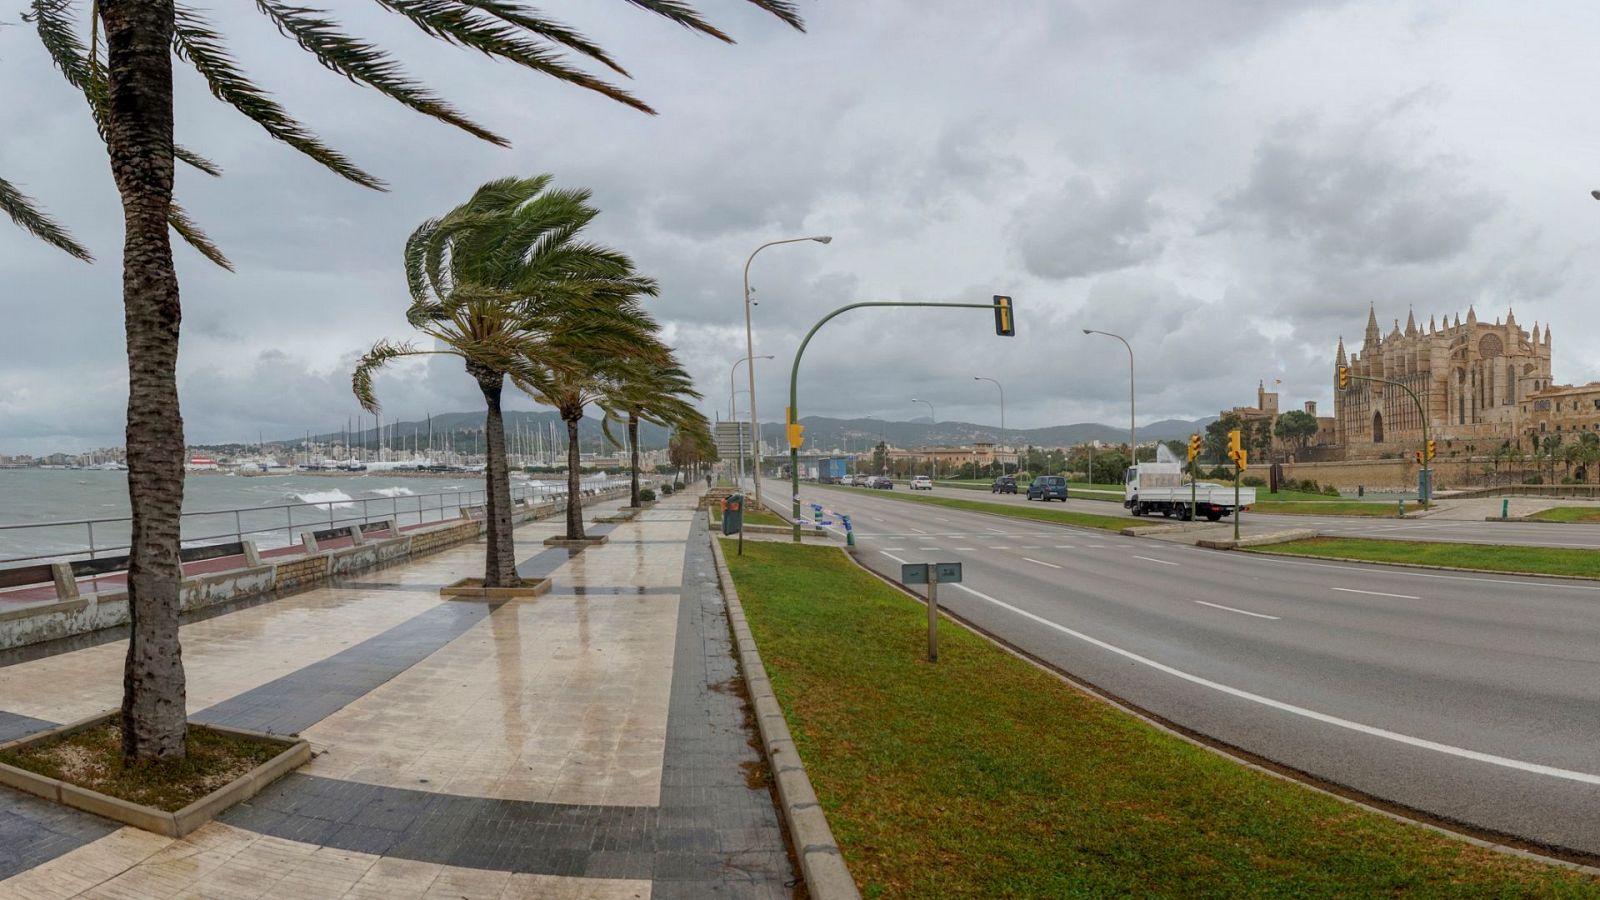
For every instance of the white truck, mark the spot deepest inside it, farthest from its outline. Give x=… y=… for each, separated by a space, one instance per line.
x=1161 y=488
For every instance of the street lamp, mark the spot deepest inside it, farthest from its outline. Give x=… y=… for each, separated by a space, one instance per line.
x=749 y=346
x=1133 y=442
x=934 y=418
x=1002 y=416
x=733 y=416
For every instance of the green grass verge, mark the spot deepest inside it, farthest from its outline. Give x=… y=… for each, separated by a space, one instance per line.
x=983 y=776
x=1494 y=557
x=752 y=517
x=1041 y=513
x=1567 y=514
x=1332 y=508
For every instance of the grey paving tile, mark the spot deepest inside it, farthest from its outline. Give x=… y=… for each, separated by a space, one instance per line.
x=34 y=831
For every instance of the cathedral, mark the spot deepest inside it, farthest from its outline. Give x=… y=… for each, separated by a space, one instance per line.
x=1474 y=380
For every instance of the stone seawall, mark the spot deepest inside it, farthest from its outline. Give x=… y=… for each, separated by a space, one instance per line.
x=276 y=576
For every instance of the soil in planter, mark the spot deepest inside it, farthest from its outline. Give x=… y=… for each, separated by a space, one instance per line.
x=92 y=759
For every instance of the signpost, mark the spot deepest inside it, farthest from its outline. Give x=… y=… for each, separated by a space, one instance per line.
x=932 y=575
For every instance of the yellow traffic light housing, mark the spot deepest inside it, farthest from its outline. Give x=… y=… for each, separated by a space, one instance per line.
x=1004 y=320
x=1194 y=446
x=1241 y=458
x=1234 y=446
x=1417 y=455
x=1433 y=449
x=1344 y=377
x=796 y=435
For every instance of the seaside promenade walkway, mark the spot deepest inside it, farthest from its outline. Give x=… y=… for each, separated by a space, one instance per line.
x=591 y=742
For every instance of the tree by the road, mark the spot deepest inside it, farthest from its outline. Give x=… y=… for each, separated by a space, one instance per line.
x=1296 y=428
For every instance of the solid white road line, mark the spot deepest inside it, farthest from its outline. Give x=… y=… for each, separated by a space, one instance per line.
x=1377 y=594
x=893 y=557
x=1041 y=563
x=1164 y=562
x=1242 y=612
x=1063 y=546
x=1384 y=733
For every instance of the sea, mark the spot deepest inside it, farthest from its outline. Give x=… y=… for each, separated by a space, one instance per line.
x=44 y=513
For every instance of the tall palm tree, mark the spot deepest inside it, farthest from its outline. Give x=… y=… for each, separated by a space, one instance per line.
x=503 y=282
x=658 y=393
x=593 y=380
x=128 y=88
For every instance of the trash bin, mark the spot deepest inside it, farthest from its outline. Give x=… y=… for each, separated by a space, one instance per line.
x=733 y=514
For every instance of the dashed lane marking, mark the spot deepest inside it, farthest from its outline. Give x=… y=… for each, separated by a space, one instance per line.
x=1164 y=562
x=1242 y=612
x=893 y=557
x=1377 y=594
x=1041 y=562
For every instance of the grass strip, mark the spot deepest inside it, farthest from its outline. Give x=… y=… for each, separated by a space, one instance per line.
x=1375 y=510
x=92 y=758
x=1042 y=513
x=1492 y=557
x=751 y=517
x=983 y=776
x=1566 y=514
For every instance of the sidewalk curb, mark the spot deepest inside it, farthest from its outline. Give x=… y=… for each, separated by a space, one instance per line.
x=822 y=864
x=1258 y=540
x=1406 y=565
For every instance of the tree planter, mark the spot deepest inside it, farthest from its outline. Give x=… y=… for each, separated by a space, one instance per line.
x=624 y=514
x=295 y=753
x=473 y=589
x=579 y=543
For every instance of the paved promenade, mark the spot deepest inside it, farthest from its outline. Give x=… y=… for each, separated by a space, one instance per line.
x=590 y=743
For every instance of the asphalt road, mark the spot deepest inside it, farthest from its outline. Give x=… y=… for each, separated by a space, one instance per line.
x=1437 y=527
x=1472 y=698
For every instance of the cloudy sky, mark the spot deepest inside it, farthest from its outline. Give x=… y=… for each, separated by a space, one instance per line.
x=1228 y=183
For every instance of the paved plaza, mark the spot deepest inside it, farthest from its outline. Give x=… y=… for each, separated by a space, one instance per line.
x=588 y=743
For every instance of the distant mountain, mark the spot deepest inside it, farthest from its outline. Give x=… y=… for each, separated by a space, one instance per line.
x=826 y=433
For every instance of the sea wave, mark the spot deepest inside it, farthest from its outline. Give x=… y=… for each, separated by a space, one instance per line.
x=394 y=492
x=329 y=499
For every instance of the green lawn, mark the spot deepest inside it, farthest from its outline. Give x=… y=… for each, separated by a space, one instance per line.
x=1331 y=508
x=1496 y=557
x=983 y=776
x=1568 y=514
x=751 y=517
x=1041 y=513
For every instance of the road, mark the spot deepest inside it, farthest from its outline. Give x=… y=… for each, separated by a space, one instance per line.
x=1439 y=526
x=1475 y=699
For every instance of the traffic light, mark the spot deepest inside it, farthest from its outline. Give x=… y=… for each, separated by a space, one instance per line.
x=1242 y=460
x=1433 y=449
x=1344 y=377
x=1004 y=324
x=1234 y=447
x=1417 y=455
x=796 y=435
x=1194 y=446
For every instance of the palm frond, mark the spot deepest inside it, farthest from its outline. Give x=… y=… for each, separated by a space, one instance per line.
x=180 y=222
x=459 y=24
x=381 y=354
x=684 y=14
x=550 y=29
x=31 y=219
x=197 y=43
x=364 y=63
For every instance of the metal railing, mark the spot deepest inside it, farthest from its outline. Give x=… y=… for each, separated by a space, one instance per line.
x=270 y=526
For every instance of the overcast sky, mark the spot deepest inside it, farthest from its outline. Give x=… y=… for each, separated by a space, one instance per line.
x=1228 y=183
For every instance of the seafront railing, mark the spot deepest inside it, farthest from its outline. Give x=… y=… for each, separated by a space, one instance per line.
x=269 y=526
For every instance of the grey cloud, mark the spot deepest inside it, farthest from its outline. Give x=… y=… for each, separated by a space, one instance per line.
x=1081 y=229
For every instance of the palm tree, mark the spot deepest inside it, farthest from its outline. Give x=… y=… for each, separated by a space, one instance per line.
x=658 y=393
x=128 y=88
x=502 y=281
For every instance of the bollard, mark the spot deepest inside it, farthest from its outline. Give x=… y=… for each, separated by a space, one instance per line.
x=1505 y=507
x=849 y=533
x=1400 y=508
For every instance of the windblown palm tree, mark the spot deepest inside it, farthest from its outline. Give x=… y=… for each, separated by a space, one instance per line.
x=654 y=392
x=127 y=83
x=503 y=282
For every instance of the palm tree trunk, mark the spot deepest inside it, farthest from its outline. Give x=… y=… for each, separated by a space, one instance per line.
x=574 y=477
x=633 y=449
x=139 y=141
x=499 y=554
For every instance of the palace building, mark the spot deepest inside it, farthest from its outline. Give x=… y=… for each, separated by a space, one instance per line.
x=1477 y=383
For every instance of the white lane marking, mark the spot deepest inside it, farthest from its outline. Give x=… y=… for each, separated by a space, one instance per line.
x=968 y=549
x=995 y=530
x=893 y=548
x=918 y=530
x=1377 y=594
x=1041 y=562
x=1031 y=547
x=1164 y=562
x=893 y=557
x=1000 y=547
x=1243 y=612
x=940 y=519
x=1397 y=737
x=1095 y=546
x=927 y=548
x=1398 y=571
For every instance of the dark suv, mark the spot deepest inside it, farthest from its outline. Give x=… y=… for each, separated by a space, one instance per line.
x=1005 y=484
x=1048 y=487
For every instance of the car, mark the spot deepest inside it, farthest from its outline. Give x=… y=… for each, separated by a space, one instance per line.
x=1005 y=484
x=881 y=483
x=860 y=479
x=922 y=483
x=1048 y=487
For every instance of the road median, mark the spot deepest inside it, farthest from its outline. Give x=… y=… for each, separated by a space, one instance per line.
x=984 y=775
x=1043 y=513
x=1493 y=559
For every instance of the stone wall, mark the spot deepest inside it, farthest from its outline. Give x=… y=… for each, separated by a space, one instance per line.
x=1388 y=474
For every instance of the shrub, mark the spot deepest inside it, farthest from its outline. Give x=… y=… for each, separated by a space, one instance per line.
x=1533 y=479
x=1331 y=491
x=678 y=485
x=648 y=496
x=666 y=489
x=1254 y=481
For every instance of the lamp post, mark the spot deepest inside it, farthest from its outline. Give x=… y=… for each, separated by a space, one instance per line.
x=934 y=418
x=735 y=417
x=749 y=347
x=1133 y=441
x=1002 y=415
